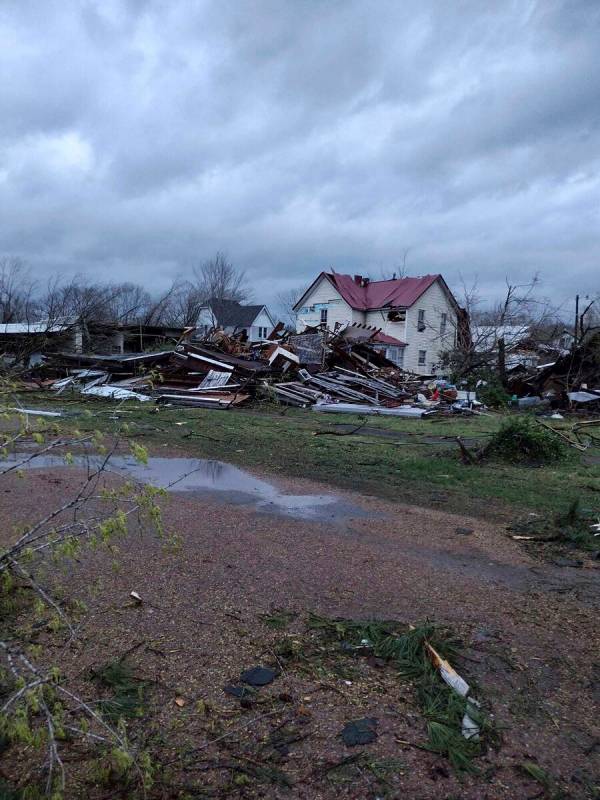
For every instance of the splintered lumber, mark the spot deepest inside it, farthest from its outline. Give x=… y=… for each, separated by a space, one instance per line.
x=202 y=401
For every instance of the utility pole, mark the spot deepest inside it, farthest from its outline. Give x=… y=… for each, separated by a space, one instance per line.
x=576 y=329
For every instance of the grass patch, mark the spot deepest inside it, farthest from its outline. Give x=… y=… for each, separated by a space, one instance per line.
x=412 y=461
x=571 y=528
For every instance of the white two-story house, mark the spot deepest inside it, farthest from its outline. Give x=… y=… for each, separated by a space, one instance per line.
x=418 y=318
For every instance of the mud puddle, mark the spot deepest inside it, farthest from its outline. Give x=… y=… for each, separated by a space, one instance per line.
x=217 y=479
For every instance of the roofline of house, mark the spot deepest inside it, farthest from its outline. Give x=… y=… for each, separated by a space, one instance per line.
x=262 y=308
x=438 y=277
x=322 y=274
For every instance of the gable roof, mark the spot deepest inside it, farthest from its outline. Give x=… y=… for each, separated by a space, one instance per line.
x=364 y=295
x=231 y=314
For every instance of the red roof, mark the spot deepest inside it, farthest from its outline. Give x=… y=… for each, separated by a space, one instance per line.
x=403 y=292
x=383 y=338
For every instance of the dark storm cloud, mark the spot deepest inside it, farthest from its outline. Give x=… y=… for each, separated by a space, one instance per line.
x=136 y=138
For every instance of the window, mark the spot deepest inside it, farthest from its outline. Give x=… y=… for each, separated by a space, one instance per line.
x=323 y=315
x=443 y=324
x=422 y=357
x=395 y=354
x=421 y=322
x=397 y=315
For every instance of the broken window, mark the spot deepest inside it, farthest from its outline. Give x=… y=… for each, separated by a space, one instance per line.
x=421 y=321
x=397 y=315
x=422 y=357
x=443 y=324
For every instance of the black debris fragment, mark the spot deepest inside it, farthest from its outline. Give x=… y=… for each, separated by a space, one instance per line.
x=258 y=676
x=359 y=731
x=237 y=691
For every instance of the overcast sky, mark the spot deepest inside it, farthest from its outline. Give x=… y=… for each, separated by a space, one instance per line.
x=138 y=137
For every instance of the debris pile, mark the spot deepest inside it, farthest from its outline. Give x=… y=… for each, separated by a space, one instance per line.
x=571 y=381
x=342 y=371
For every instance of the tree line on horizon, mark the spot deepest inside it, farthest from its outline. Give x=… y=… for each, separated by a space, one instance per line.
x=23 y=299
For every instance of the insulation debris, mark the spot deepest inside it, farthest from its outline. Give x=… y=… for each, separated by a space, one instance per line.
x=470 y=728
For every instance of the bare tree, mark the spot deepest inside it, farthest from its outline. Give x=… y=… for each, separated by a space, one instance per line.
x=128 y=303
x=398 y=271
x=185 y=304
x=587 y=317
x=17 y=291
x=493 y=331
x=285 y=302
x=77 y=298
x=217 y=280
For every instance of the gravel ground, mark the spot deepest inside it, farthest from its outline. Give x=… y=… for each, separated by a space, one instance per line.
x=530 y=631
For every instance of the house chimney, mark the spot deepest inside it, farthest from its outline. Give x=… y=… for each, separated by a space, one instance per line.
x=358 y=279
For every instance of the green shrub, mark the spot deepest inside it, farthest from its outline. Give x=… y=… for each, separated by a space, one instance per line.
x=522 y=440
x=491 y=393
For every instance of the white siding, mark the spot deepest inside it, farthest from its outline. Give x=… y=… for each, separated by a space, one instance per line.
x=379 y=319
x=205 y=321
x=434 y=302
x=263 y=320
x=325 y=296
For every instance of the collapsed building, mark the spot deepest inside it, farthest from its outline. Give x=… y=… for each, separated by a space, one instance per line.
x=572 y=379
x=343 y=371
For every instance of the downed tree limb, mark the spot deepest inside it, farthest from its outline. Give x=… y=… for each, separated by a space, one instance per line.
x=340 y=433
x=466 y=455
x=563 y=436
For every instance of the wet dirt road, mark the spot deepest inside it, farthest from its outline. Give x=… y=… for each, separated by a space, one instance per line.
x=251 y=545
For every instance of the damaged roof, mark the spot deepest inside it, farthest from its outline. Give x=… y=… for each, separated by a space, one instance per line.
x=231 y=314
x=383 y=338
x=363 y=294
